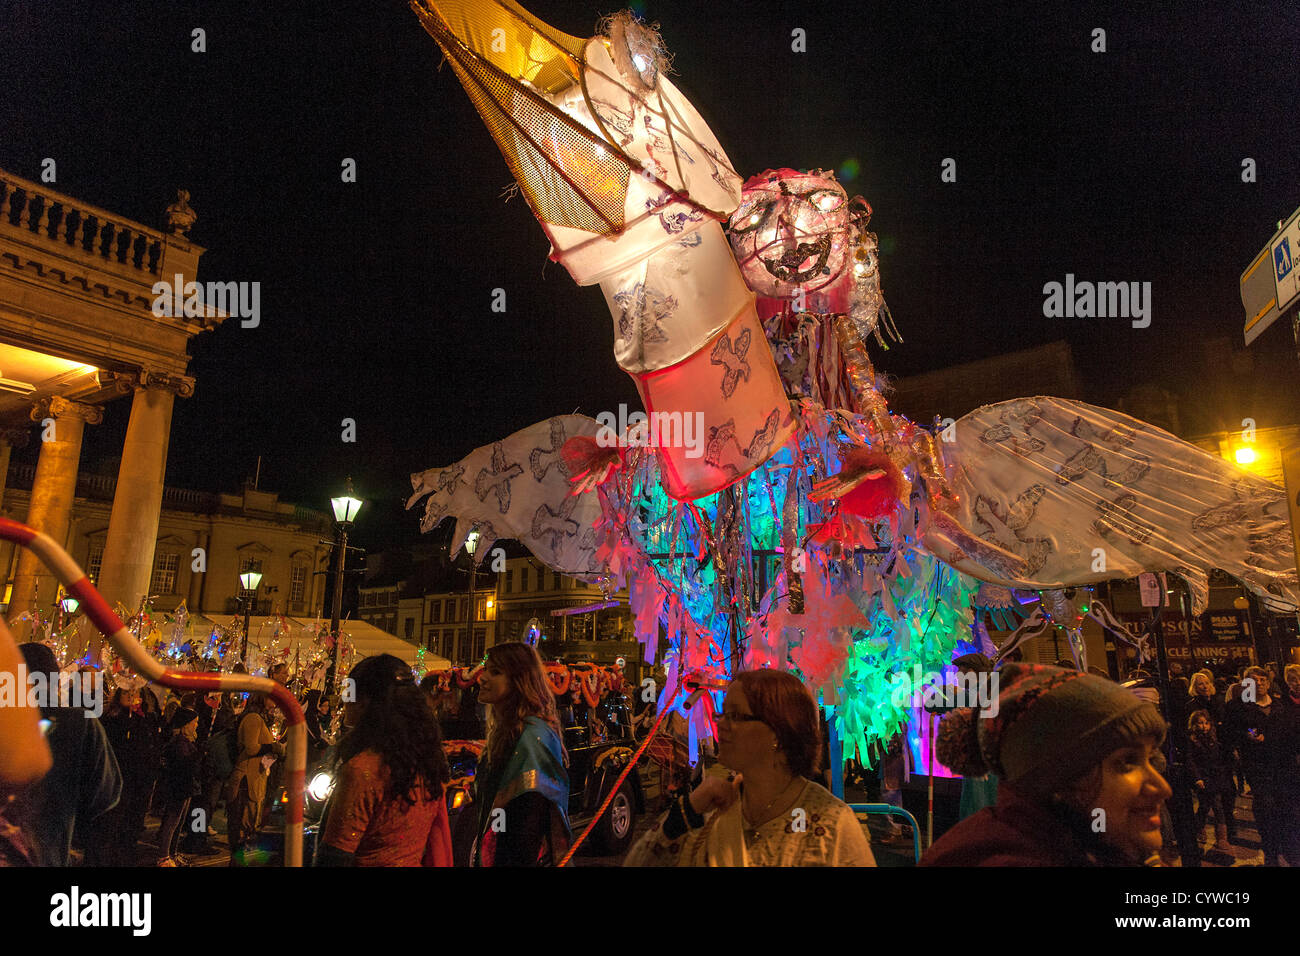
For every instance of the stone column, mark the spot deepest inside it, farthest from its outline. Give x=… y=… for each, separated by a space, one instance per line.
x=194 y=603
x=137 y=500
x=133 y=526
x=52 y=494
x=10 y=438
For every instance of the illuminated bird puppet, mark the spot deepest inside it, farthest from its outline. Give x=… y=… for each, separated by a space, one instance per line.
x=805 y=526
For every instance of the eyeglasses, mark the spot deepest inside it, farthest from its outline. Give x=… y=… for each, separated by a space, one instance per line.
x=738 y=718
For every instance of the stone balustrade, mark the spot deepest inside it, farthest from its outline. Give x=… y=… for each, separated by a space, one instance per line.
x=103 y=488
x=69 y=225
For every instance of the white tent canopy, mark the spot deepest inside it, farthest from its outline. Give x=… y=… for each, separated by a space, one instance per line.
x=368 y=640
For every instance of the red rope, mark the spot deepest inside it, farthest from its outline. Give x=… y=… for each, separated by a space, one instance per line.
x=609 y=798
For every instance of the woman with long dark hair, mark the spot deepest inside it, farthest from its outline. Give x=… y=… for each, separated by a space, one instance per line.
x=522 y=786
x=388 y=808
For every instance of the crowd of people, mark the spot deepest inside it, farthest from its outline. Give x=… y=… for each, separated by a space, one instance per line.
x=1070 y=771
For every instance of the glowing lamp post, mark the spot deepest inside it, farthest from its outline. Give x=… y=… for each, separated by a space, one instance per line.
x=345 y=511
x=471 y=545
x=68 y=606
x=250 y=581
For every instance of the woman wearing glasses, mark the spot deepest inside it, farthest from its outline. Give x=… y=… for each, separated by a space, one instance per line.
x=522 y=786
x=772 y=814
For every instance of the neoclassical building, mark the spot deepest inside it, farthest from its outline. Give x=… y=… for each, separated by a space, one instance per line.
x=78 y=330
x=205 y=540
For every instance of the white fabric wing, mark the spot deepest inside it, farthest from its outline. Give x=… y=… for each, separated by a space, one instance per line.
x=1086 y=494
x=518 y=488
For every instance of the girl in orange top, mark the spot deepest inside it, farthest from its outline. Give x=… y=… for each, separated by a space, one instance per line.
x=388 y=808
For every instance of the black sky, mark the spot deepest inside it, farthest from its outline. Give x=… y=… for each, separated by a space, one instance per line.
x=1122 y=166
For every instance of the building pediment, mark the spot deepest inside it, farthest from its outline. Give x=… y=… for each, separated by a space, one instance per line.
x=253 y=547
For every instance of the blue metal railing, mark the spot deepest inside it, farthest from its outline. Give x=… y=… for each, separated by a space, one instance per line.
x=889 y=810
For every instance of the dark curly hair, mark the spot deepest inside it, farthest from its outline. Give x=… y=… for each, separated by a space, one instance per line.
x=397 y=723
x=780 y=700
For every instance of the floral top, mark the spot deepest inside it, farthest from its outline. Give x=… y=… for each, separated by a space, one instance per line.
x=825 y=833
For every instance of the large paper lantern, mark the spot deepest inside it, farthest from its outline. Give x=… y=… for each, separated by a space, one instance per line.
x=630 y=185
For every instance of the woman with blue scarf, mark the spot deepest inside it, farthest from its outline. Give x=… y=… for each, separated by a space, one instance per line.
x=522 y=786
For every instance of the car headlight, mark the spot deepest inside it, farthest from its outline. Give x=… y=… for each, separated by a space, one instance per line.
x=320 y=786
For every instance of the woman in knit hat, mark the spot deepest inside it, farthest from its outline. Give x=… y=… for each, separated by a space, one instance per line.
x=1074 y=754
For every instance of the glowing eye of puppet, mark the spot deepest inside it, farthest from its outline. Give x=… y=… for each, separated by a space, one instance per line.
x=825 y=200
x=746 y=221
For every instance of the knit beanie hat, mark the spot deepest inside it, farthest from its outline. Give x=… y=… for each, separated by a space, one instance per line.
x=1052 y=726
x=182 y=717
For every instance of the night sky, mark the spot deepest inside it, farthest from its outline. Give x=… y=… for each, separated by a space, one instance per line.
x=375 y=296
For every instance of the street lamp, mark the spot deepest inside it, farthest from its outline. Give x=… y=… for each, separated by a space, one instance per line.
x=345 y=511
x=66 y=605
x=471 y=545
x=250 y=581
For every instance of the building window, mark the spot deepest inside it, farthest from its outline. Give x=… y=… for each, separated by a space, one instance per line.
x=410 y=627
x=555 y=580
x=523 y=578
x=95 y=563
x=510 y=582
x=449 y=645
x=480 y=607
x=298 y=584
x=164 y=573
x=435 y=612
x=451 y=610
x=480 y=642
